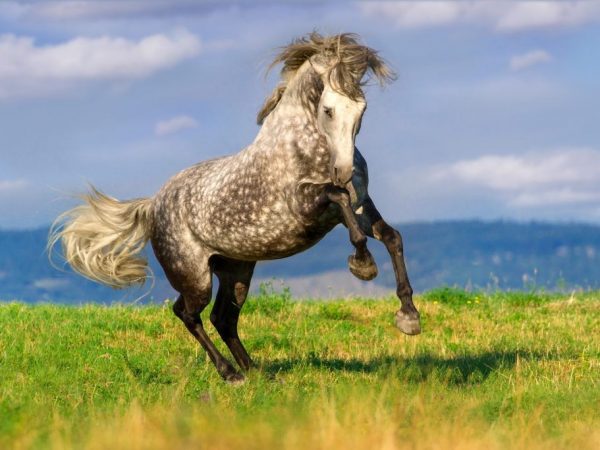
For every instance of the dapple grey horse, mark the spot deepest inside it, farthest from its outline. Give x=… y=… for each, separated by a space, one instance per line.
x=300 y=177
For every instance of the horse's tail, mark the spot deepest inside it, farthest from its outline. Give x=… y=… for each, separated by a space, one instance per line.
x=102 y=238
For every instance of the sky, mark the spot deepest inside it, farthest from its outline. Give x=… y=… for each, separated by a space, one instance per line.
x=494 y=114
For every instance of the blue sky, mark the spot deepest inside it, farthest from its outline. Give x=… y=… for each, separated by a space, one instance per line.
x=494 y=113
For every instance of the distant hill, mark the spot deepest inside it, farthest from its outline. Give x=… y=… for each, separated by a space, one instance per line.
x=473 y=254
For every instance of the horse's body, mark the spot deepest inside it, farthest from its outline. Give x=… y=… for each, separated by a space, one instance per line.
x=277 y=197
x=247 y=206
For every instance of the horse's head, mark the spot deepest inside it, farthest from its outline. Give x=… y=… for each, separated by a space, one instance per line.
x=339 y=117
x=332 y=91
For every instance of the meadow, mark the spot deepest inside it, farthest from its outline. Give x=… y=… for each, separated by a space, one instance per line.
x=491 y=370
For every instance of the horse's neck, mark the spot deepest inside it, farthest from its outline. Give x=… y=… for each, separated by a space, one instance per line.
x=290 y=136
x=290 y=133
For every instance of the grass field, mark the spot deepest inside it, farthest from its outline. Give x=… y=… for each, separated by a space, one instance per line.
x=503 y=370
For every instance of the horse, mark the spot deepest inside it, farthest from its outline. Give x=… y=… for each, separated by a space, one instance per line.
x=280 y=195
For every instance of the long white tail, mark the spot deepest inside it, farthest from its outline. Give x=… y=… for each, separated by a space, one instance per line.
x=102 y=238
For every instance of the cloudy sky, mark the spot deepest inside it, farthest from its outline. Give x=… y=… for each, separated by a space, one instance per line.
x=494 y=113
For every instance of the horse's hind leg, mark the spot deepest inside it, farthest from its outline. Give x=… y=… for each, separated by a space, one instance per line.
x=361 y=264
x=193 y=280
x=188 y=309
x=407 y=318
x=234 y=283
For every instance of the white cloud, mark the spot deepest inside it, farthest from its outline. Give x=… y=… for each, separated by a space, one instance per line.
x=566 y=176
x=532 y=58
x=174 y=125
x=534 y=14
x=27 y=69
x=506 y=16
x=510 y=172
x=12 y=185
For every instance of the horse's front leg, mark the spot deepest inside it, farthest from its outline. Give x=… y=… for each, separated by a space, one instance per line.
x=361 y=264
x=371 y=222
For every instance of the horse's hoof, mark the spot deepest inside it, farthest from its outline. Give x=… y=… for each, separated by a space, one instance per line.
x=407 y=324
x=363 y=270
x=234 y=378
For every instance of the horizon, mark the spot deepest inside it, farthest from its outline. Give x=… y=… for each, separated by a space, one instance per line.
x=484 y=221
x=472 y=255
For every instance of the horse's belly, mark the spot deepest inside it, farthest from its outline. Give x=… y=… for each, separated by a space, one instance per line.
x=278 y=237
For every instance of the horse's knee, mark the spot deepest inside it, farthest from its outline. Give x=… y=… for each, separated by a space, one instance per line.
x=392 y=238
x=179 y=307
x=188 y=308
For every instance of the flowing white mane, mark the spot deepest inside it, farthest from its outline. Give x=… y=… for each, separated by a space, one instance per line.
x=346 y=59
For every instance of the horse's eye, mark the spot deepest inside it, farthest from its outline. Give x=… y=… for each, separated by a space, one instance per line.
x=328 y=112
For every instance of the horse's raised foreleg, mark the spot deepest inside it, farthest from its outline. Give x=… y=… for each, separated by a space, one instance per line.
x=371 y=222
x=361 y=264
x=234 y=283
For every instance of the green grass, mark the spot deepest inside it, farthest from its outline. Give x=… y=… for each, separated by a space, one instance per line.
x=503 y=370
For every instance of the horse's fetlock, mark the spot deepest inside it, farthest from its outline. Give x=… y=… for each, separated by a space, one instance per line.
x=359 y=241
x=225 y=368
x=404 y=292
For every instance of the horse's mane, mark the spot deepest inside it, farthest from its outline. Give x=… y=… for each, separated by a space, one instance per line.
x=347 y=62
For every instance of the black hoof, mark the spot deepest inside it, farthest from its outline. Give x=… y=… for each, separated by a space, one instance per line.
x=233 y=377
x=407 y=324
x=363 y=270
